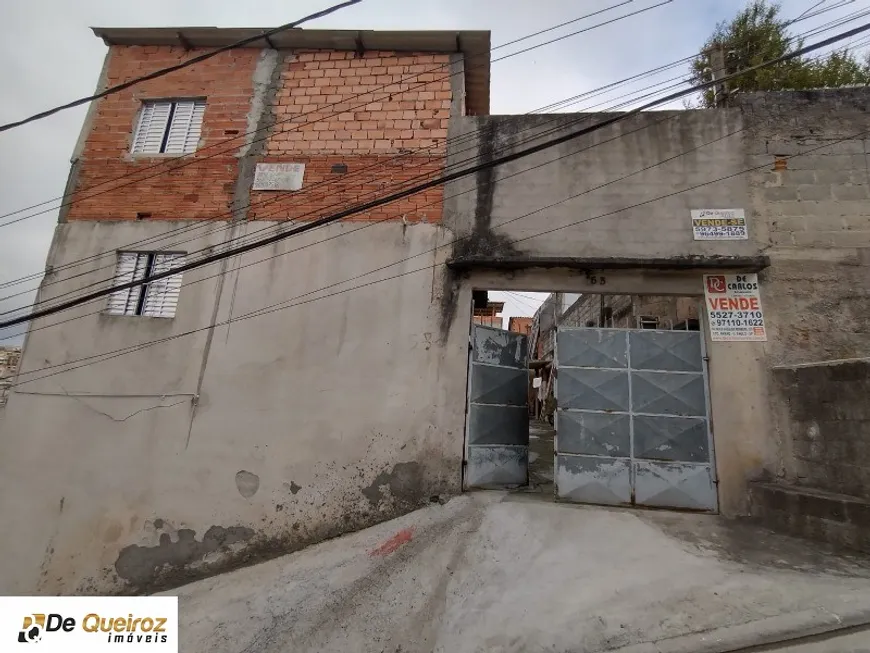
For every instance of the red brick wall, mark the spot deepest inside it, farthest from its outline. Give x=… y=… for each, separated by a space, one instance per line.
x=384 y=115
x=201 y=190
x=384 y=137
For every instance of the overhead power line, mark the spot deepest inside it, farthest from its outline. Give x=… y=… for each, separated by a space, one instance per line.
x=283 y=305
x=426 y=185
x=36 y=275
x=199 y=159
x=171 y=69
x=466 y=137
x=389 y=218
x=563 y=103
x=193 y=161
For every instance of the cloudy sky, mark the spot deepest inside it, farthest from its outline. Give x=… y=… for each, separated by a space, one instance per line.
x=52 y=57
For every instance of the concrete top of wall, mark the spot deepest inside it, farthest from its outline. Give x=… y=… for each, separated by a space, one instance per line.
x=474 y=45
x=840 y=361
x=711 y=262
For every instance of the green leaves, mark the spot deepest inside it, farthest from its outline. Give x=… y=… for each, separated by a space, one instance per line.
x=759 y=33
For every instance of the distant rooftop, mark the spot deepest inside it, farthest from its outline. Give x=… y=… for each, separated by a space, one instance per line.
x=475 y=45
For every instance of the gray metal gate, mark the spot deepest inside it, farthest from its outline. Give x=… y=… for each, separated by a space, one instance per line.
x=632 y=422
x=497 y=432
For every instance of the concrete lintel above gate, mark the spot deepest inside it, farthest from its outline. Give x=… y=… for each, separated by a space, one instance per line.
x=742 y=263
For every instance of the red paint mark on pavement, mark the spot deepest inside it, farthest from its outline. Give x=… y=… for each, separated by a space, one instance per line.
x=403 y=536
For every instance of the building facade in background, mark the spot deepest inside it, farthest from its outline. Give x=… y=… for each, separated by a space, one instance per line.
x=9 y=360
x=319 y=384
x=489 y=315
x=520 y=325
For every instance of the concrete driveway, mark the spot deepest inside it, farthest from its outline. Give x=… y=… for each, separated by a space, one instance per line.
x=497 y=571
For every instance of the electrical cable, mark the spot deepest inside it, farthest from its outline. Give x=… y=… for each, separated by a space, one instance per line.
x=175 y=245
x=426 y=185
x=195 y=160
x=393 y=217
x=369 y=224
x=382 y=88
x=33 y=276
x=36 y=275
x=818 y=4
x=518 y=299
x=428 y=268
x=46 y=326
x=565 y=102
x=171 y=69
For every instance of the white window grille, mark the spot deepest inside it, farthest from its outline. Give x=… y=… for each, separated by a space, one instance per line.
x=169 y=127
x=156 y=299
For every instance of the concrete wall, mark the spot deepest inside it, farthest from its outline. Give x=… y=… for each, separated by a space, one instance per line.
x=796 y=162
x=827 y=421
x=609 y=171
x=237 y=440
x=814 y=220
x=265 y=434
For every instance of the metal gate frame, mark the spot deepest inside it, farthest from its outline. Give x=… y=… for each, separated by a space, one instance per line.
x=506 y=462
x=631 y=459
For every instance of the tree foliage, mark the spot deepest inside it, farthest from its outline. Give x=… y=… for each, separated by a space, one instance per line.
x=759 y=33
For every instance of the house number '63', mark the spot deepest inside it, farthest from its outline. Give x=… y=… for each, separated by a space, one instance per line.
x=600 y=281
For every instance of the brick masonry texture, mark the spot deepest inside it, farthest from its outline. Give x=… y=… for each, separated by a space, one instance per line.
x=201 y=190
x=329 y=110
x=828 y=423
x=814 y=220
x=839 y=520
x=383 y=115
x=368 y=177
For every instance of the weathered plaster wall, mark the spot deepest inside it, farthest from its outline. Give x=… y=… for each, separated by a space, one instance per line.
x=609 y=171
x=239 y=440
x=630 y=188
x=827 y=419
x=814 y=220
x=811 y=193
x=265 y=434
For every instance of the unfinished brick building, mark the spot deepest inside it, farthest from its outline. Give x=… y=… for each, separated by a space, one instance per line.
x=291 y=128
x=320 y=384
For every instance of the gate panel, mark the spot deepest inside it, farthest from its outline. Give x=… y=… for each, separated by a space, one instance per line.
x=671 y=438
x=497 y=431
x=631 y=420
x=597 y=434
x=593 y=389
x=593 y=479
x=674 y=485
x=667 y=393
x=672 y=444
x=593 y=424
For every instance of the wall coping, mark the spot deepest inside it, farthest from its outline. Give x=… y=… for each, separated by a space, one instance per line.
x=836 y=361
x=744 y=263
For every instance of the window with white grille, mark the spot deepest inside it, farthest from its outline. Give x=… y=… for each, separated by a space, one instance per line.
x=155 y=299
x=169 y=127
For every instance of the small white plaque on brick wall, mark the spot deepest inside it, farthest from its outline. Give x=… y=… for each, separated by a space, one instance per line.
x=719 y=224
x=278 y=176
